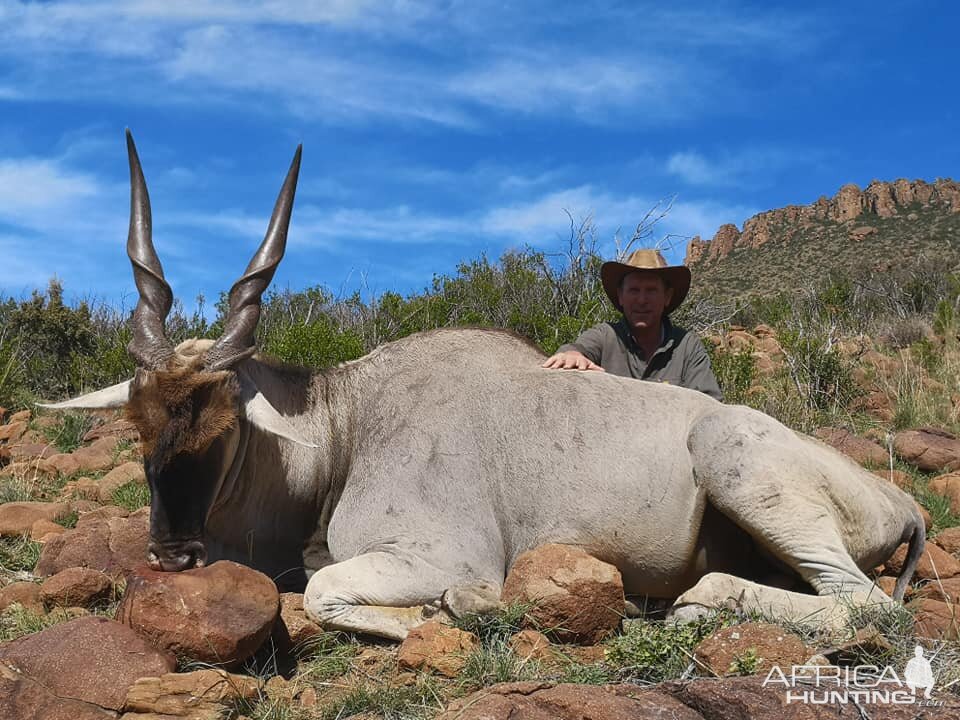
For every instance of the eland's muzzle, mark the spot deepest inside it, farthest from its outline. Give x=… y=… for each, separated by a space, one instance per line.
x=174 y=557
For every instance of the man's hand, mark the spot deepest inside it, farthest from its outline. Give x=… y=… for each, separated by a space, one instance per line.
x=571 y=360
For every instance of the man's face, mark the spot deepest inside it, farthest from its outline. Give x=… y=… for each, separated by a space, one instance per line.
x=643 y=297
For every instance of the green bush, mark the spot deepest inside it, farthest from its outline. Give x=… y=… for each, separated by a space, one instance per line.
x=735 y=372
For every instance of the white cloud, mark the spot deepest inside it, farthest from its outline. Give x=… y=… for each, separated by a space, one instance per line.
x=348 y=61
x=32 y=187
x=693 y=168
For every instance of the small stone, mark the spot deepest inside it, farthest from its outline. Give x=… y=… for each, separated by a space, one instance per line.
x=76 y=587
x=437 y=647
x=532 y=645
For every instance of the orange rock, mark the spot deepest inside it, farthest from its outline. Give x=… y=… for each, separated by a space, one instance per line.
x=437 y=647
x=934 y=563
x=936 y=620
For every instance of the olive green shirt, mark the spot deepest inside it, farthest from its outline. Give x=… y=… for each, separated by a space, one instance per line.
x=680 y=360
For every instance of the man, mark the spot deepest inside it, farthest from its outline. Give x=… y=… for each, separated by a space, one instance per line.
x=643 y=344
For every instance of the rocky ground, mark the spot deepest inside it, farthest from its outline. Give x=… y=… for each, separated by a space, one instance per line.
x=87 y=631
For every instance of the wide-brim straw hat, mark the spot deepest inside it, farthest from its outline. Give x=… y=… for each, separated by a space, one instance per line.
x=676 y=276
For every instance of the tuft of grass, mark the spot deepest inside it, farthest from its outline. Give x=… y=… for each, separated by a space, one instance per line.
x=15 y=489
x=496 y=627
x=587 y=674
x=68 y=434
x=496 y=663
x=416 y=702
x=326 y=656
x=17 y=621
x=132 y=496
x=69 y=520
x=19 y=553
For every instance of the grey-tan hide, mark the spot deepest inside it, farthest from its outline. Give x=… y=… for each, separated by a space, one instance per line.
x=441 y=457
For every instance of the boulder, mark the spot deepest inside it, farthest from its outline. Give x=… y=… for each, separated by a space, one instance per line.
x=948 y=486
x=949 y=540
x=769 y=644
x=118 y=477
x=190 y=694
x=934 y=563
x=545 y=701
x=76 y=587
x=437 y=647
x=17 y=518
x=20 y=416
x=22 y=698
x=90 y=659
x=929 y=449
x=862 y=451
x=575 y=596
x=24 y=593
x=947 y=590
x=217 y=614
x=935 y=619
x=114 y=545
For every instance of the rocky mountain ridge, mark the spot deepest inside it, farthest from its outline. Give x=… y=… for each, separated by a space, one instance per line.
x=851 y=204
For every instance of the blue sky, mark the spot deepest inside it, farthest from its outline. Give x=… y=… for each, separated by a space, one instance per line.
x=436 y=131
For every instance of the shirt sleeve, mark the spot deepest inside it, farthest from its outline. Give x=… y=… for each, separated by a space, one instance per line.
x=697 y=373
x=590 y=343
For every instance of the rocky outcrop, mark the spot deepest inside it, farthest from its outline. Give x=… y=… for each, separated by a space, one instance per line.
x=879 y=199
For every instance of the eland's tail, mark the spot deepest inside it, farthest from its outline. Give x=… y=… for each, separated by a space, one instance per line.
x=918 y=539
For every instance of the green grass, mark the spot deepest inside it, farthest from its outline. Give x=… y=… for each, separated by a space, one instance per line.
x=326 y=656
x=415 y=702
x=132 y=496
x=67 y=435
x=658 y=651
x=19 y=554
x=496 y=627
x=69 y=520
x=496 y=663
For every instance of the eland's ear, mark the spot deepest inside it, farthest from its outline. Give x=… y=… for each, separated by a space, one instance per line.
x=112 y=397
x=262 y=414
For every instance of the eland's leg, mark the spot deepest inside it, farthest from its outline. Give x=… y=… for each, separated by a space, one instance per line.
x=790 y=501
x=380 y=593
x=719 y=590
